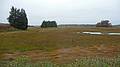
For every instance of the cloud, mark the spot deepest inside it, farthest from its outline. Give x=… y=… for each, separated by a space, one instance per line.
x=88 y=11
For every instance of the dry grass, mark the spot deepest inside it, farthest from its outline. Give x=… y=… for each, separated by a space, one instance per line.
x=49 y=42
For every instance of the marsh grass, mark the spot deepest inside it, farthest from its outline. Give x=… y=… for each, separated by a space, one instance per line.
x=54 y=38
x=11 y=29
x=82 y=62
x=50 y=39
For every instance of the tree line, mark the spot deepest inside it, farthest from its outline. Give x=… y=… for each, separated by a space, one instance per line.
x=18 y=19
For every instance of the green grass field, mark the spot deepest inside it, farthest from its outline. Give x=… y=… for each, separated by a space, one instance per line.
x=61 y=45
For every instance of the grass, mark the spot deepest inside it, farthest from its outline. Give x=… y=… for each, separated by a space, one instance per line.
x=49 y=40
x=8 y=29
x=38 y=39
x=83 y=62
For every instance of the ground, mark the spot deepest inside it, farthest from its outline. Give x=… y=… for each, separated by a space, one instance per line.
x=59 y=45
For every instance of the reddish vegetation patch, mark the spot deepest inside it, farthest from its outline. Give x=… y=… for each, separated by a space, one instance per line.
x=68 y=54
x=78 y=52
x=4 y=26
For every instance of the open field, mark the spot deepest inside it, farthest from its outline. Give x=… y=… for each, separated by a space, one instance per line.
x=60 y=45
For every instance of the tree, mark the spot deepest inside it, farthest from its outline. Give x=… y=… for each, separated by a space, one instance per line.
x=46 y=24
x=18 y=18
x=104 y=23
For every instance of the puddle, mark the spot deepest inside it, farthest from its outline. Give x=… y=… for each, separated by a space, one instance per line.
x=99 y=33
x=113 y=33
x=93 y=33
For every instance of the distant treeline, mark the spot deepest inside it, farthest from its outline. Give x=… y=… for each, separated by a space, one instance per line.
x=18 y=19
x=76 y=25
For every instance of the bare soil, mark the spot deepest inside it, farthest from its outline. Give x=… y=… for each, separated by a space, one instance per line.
x=67 y=54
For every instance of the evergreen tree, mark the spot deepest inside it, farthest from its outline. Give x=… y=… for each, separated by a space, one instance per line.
x=49 y=24
x=44 y=24
x=18 y=18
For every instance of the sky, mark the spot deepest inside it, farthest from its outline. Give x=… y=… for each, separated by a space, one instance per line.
x=64 y=11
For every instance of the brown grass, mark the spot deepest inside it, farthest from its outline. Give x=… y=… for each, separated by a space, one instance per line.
x=58 y=44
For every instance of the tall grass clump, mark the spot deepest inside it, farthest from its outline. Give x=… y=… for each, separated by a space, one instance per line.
x=83 y=62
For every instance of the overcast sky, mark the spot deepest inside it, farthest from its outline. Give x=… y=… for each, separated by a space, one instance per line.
x=64 y=11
